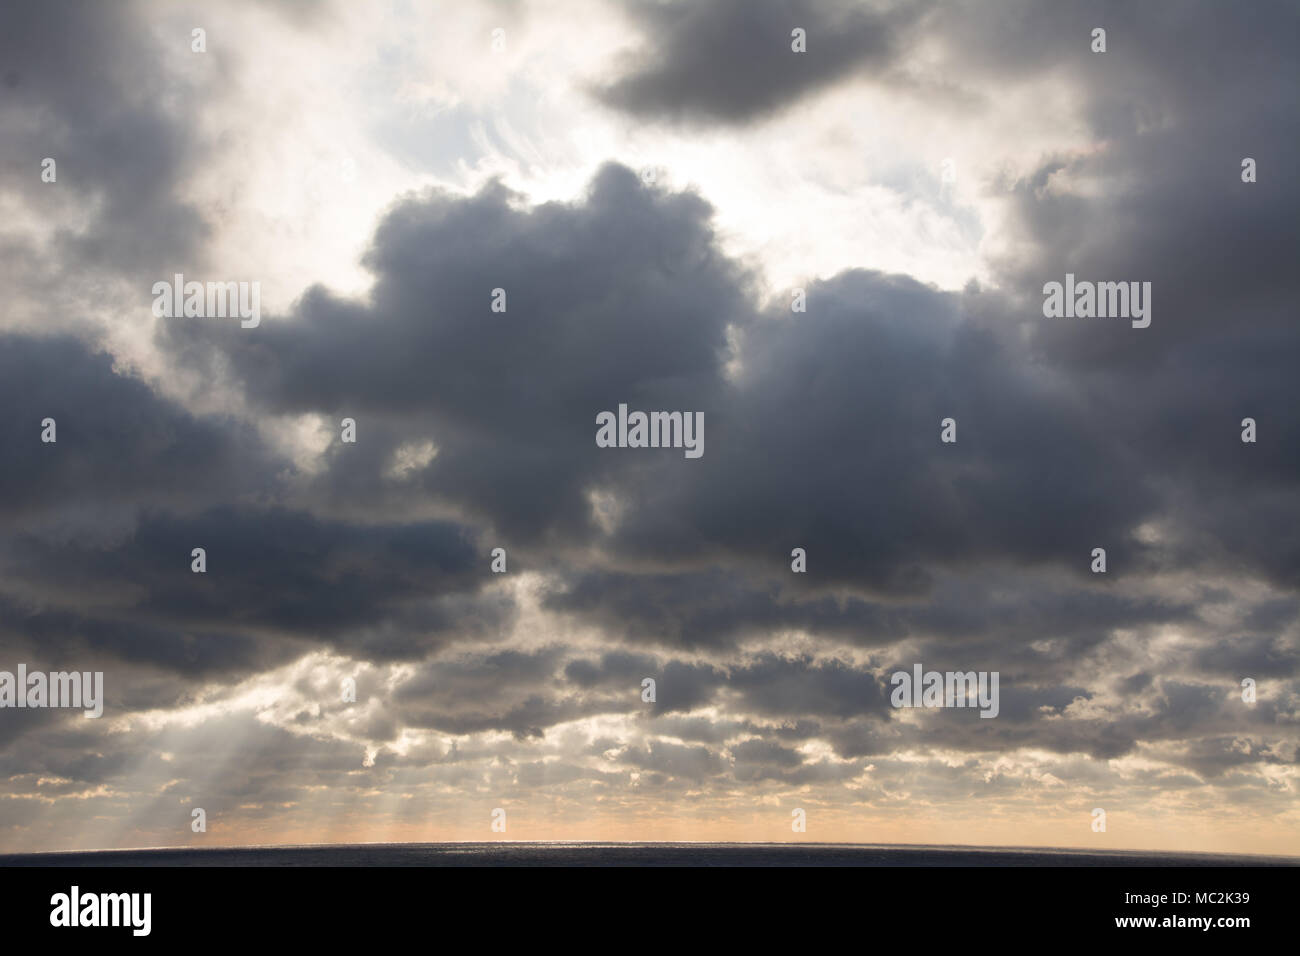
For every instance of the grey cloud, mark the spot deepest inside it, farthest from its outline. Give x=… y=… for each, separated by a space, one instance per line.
x=513 y=395
x=731 y=61
x=119 y=446
x=80 y=82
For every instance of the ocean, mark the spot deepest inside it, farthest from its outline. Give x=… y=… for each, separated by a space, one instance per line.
x=634 y=854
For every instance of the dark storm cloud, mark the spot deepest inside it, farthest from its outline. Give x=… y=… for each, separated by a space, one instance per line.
x=18 y=723
x=829 y=430
x=849 y=707
x=285 y=573
x=509 y=690
x=1167 y=58
x=73 y=597
x=764 y=762
x=1182 y=94
x=81 y=84
x=792 y=687
x=510 y=400
x=979 y=613
x=708 y=608
x=1256 y=656
x=108 y=636
x=1116 y=425
x=678 y=686
x=664 y=760
x=731 y=61
x=765 y=752
x=100 y=526
x=73 y=751
x=526 y=694
x=594 y=318
x=1213 y=758
x=1171 y=712
x=119 y=445
x=1175 y=105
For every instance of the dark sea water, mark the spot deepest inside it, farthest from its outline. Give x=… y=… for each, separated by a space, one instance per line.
x=634 y=854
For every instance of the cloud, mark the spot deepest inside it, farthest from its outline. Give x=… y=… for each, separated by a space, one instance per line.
x=118 y=444
x=79 y=85
x=329 y=560
x=732 y=62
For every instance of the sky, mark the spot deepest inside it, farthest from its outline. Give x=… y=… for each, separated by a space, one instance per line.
x=825 y=253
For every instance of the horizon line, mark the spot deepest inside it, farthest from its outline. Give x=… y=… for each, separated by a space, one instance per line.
x=668 y=843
